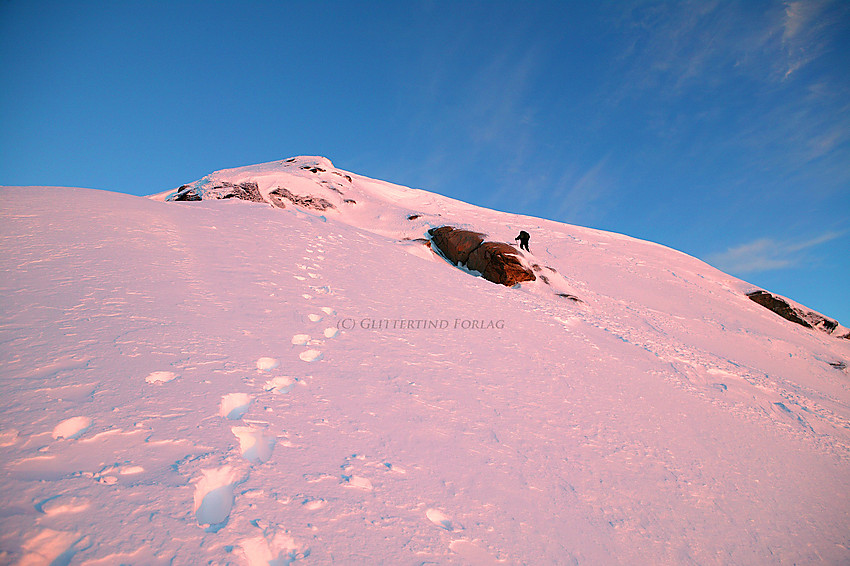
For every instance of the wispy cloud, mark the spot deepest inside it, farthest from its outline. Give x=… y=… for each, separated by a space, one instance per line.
x=691 y=44
x=806 y=31
x=766 y=254
x=699 y=44
x=730 y=75
x=475 y=109
x=574 y=195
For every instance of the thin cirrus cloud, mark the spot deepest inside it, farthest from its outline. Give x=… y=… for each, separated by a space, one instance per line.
x=577 y=194
x=766 y=254
x=697 y=45
x=806 y=28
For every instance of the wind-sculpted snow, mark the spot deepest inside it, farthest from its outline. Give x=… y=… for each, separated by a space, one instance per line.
x=72 y=428
x=227 y=382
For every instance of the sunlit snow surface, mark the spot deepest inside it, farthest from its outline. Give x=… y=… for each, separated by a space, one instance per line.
x=211 y=382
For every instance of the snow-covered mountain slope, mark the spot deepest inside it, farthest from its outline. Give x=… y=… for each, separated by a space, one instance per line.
x=229 y=382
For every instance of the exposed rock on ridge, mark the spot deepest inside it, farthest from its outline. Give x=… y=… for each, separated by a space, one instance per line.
x=223 y=190
x=456 y=244
x=213 y=187
x=277 y=195
x=496 y=261
x=803 y=317
x=242 y=191
x=185 y=193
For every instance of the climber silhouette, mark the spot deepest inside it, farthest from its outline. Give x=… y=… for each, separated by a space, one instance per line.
x=523 y=240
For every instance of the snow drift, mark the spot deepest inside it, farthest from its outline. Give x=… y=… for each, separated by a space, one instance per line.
x=296 y=377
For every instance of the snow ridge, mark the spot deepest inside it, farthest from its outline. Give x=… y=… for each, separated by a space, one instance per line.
x=227 y=381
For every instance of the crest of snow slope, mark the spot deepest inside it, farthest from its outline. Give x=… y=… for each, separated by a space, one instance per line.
x=664 y=419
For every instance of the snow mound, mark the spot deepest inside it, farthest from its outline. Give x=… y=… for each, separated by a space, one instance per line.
x=72 y=428
x=161 y=377
x=267 y=364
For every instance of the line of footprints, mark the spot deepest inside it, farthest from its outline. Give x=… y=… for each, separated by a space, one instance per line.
x=214 y=489
x=311 y=353
x=214 y=497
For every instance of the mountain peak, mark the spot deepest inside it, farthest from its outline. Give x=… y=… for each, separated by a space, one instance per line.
x=311 y=184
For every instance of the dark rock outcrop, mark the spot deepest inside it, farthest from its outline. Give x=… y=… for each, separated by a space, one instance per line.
x=496 y=261
x=455 y=244
x=278 y=195
x=224 y=190
x=783 y=308
x=186 y=193
x=243 y=191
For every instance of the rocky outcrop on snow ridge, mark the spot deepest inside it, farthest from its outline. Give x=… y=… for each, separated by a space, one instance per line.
x=277 y=196
x=786 y=310
x=332 y=186
x=496 y=261
x=242 y=191
x=455 y=244
x=223 y=190
x=185 y=193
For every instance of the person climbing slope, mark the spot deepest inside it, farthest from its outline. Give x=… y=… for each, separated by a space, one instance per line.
x=523 y=240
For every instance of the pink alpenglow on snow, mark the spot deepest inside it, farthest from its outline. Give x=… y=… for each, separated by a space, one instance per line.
x=629 y=405
x=161 y=377
x=72 y=428
x=267 y=364
x=234 y=405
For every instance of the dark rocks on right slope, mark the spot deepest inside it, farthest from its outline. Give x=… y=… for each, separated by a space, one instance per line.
x=783 y=308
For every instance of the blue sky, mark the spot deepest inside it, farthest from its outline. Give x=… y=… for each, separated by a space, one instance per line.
x=721 y=129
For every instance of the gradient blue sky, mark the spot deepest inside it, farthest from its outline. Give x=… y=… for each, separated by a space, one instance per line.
x=718 y=128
